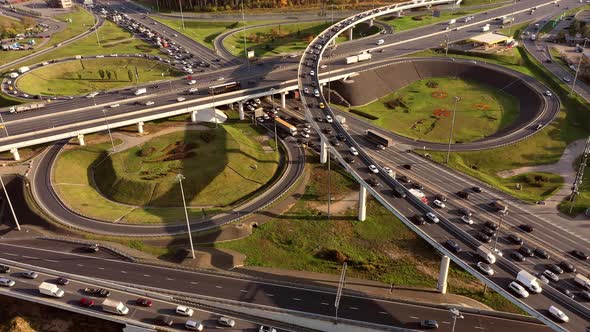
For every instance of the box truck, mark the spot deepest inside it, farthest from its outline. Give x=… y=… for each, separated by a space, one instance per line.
x=23 y=70
x=419 y=194
x=114 y=307
x=358 y=58
x=140 y=91
x=529 y=281
x=453 y=21
x=582 y=281
x=50 y=289
x=487 y=254
x=26 y=107
x=485 y=28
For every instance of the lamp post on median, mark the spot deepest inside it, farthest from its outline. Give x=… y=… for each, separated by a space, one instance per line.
x=181 y=177
x=452 y=128
x=456 y=314
x=3 y=124
x=10 y=204
x=181 y=16
x=272 y=90
x=578 y=67
x=104 y=113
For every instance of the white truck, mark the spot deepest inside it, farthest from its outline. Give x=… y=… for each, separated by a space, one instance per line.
x=453 y=21
x=114 y=307
x=27 y=107
x=419 y=194
x=529 y=281
x=358 y=58
x=487 y=254
x=582 y=281
x=485 y=28
x=140 y=91
x=50 y=289
x=23 y=70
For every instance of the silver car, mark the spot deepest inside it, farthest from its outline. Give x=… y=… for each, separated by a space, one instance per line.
x=5 y=282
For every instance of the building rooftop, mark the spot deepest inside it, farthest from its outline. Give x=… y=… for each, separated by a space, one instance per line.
x=490 y=38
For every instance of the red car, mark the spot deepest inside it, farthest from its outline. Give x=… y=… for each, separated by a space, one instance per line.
x=144 y=302
x=85 y=302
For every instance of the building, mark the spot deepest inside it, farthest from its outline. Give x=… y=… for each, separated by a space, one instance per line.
x=491 y=39
x=60 y=3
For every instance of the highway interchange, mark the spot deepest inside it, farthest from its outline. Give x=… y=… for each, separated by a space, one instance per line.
x=554 y=239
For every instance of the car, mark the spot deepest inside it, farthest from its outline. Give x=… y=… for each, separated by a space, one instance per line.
x=418 y=186
x=453 y=246
x=349 y=160
x=558 y=314
x=184 y=311
x=541 y=253
x=518 y=289
x=526 y=227
x=399 y=192
x=526 y=251
x=579 y=254
x=567 y=266
x=221 y=79
x=311 y=73
x=429 y=324
x=467 y=220
x=226 y=322
x=304 y=134
x=329 y=119
x=542 y=277
x=322 y=106
x=193 y=90
x=477 y=189
x=193 y=325
x=465 y=212
x=29 y=274
x=440 y=197
x=488 y=231
x=266 y=329
x=191 y=82
x=373 y=169
x=328 y=131
x=555 y=268
x=484 y=238
x=463 y=194
x=515 y=239
x=164 y=320
x=380 y=147
x=517 y=256
x=306 y=90
x=404 y=179
x=408 y=166
x=419 y=220
x=373 y=182
x=97 y=292
x=565 y=291
x=585 y=295
x=438 y=204
x=548 y=93
x=5 y=282
x=485 y=268
x=491 y=225
x=62 y=281
x=180 y=99
x=354 y=151
x=341 y=137
x=4 y=268
x=388 y=171
x=86 y=302
x=551 y=275
x=566 y=79
x=149 y=103
x=432 y=217
x=144 y=302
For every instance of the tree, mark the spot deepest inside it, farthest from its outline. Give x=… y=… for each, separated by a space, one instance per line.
x=109 y=74
x=101 y=73
x=29 y=22
x=130 y=75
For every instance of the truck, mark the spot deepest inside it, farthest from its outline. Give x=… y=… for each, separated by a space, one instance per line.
x=50 y=289
x=140 y=91
x=499 y=205
x=340 y=119
x=379 y=138
x=291 y=129
x=27 y=107
x=23 y=70
x=533 y=37
x=507 y=20
x=582 y=281
x=486 y=253
x=419 y=194
x=114 y=307
x=358 y=58
x=485 y=28
x=529 y=281
x=453 y=21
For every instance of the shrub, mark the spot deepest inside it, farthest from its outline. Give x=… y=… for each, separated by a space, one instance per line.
x=146 y=151
x=333 y=255
x=397 y=102
x=418 y=18
x=363 y=114
x=432 y=84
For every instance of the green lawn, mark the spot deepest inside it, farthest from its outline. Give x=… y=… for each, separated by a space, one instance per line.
x=424 y=109
x=83 y=76
x=379 y=248
x=412 y=21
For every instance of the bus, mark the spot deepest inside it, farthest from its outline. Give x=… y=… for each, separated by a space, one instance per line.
x=379 y=138
x=225 y=87
x=286 y=126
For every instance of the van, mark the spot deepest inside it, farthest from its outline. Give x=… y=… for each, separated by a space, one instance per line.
x=380 y=42
x=226 y=321
x=184 y=311
x=316 y=92
x=354 y=151
x=518 y=289
x=558 y=314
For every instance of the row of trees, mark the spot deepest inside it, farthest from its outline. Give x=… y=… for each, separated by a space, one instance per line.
x=10 y=28
x=222 y=5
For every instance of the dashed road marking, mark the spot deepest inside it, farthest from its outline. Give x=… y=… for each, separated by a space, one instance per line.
x=478 y=327
x=446 y=322
x=101 y=268
x=30 y=257
x=296 y=299
x=123 y=271
x=9 y=254
x=269 y=294
x=51 y=260
x=324 y=303
x=243 y=291
x=383 y=313
x=353 y=308
x=170 y=279
x=218 y=287
x=414 y=317
x=194 y=283
x=146 y=275
x=80 y=264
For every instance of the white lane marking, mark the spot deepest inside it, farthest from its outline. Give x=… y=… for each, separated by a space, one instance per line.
x=296 y=299
x=324 y=303
x=446 y=322
x=383 y=312
x=218 y=287
x=51 y=260
x=80 y=264
x=9 y=254
x=194 y=283
x=123 y=271
x=353 y=308
x=243 y=291
x=414 y=317
x=169 y=279
x=30 y=257
x=101 y=268
x=269 y=294
x=146 y=275
x=478 y=327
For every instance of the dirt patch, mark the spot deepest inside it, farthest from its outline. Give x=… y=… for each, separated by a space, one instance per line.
x=482 y=107
x=439 y=94
x=440 y=112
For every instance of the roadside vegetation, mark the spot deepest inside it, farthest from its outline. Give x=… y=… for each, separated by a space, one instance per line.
x=86 y=75
x=424 y=110
x=413 y=20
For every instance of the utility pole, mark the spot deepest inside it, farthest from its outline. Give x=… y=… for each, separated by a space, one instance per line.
x=579 y=175
x=498 y=232
x=104 y=113
x=329 y=185
x=181 y=177
x=341 y=283
x=272 y=101
x=181 y=16
x=10 y=204
x=578 y=68
x=452 y=128
x=244 y=35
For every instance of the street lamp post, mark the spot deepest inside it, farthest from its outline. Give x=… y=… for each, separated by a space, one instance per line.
x=10 y=204
x=181 y=177
x=498 y=232
x=456 y=314
x=452 y=128
x=3 y=124
x=104 y=113
x=578 y=68
x=181 y=16
x=272 y=101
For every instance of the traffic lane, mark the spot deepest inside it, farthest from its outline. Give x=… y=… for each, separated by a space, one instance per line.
x=249 y=291
x=73 y=248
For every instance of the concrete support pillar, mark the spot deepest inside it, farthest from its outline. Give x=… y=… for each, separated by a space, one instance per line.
x=194 y=116
x=81 y=140
x=241 y=110
x=323 y=151
x=350 y=34
x=15 y=154
x=371 y=22
x=284 y=99
x=443 y=274
x=140 y=127
x=362 y=203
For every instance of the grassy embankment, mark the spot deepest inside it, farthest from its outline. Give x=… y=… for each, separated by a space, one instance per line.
x=423 y=110
x=221 y=166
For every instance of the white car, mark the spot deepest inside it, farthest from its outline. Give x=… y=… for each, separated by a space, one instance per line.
x=438 y=204
x=114 y=105
x=114 y=55
x=191 y=82
x=304 y=134
x=329 y=119
x=558 y=314
x=5 y=282
x=306 y=130
x=548 y=93
x=220 y=79
x=566 y=79
x=149 y=103
x=467 y=220
x=518 y=289
x=432 y=217
x=180 y=99
x=324 y=66
x=552 y=276
x=226 y=321
x=354 y=151
x=373 y=169
x=266 y=329
x=485 y=268
x=184 y=311
x=193 y=325
x=388 y=170
x=192 y=90
x=312 y=73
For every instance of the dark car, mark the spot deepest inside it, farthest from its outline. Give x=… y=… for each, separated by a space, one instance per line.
x=488 y=231
x=62 y=281
x=526 y=251
x=335 y=143
x=465 y=212
x=419 y=220
x=526 y=227
x=429 y=324
x=403 y=179
x=408 y=166
x=144 y=302
x=399 y=192
x=4 y=269
x=440 y=197
x=418 y=186
x=453 y=246
x=341 y=137
x=515 y=239
x=349 y=160
x=541 y=253
x=517 y=256
x=579 y=254
x=164 y=321
x=85 y=302
x=554 y=268
x=484 y=238
x=565 y=291
x=567 y=266
x=373 y=182
x=477 y=189
x=463 y=194
x=491 y=225
x=97 y=292
x=328 y=130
